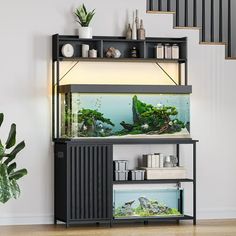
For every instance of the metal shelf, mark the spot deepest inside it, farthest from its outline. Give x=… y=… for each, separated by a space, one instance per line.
x=154 y=181
x=164 y=218
x=127 y=141
x=149 y=60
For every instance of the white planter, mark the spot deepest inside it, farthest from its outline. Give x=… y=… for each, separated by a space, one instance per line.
x=85 y=32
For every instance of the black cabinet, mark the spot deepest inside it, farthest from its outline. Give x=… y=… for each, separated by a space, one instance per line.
x=83 y=182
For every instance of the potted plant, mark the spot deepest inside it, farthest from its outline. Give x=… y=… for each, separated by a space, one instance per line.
x=9 y=187
x=84 y=19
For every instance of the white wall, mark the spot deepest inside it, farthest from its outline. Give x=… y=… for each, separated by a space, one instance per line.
x=25 y=29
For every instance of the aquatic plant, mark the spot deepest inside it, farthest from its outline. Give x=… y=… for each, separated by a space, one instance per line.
x=9 y=187
x=146 y=207
x=93 y=123
x=148 y=119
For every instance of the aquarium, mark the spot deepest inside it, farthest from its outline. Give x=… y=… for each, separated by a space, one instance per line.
x=117 y=115
x=139 y=203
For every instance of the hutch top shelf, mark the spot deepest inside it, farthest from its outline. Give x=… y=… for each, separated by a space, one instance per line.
x=145 y=48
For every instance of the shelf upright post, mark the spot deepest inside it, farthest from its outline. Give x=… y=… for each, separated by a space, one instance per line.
x=57 y=96
x=55 y=86
x=186 y=62
x=194 y=183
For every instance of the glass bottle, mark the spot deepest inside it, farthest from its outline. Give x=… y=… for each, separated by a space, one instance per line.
x=141 y=31
x=129 y=33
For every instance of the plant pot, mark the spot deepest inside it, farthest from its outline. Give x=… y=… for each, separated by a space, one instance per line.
x=85 y=32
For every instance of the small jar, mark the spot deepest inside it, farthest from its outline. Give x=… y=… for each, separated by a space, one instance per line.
x=168 y=162
x=175 y=51
x=134 y=52
x=168 y=50
x=93 y=53
x=159 y=51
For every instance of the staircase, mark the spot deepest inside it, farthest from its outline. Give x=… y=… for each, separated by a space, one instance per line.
x=215 y=19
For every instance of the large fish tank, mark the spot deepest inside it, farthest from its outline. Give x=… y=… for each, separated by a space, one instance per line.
x=141 y=203
x=124 y=115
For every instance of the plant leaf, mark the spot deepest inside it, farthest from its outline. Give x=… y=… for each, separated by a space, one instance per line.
x=5 y=186
x=18 y=174
x=15 y=189
x=11 y=167
x=84 y=8
x=1 y=118
x=14 y=152
x=11 y=141
x=2 y=151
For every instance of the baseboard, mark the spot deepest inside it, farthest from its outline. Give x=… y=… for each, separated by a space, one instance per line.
x=202 y=214
x=26 y=220
x=220 y=213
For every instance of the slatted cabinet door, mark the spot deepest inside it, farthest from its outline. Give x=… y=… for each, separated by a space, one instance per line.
x=90 y=182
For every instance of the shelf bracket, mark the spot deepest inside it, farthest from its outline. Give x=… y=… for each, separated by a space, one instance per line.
x=71 y=68
x=166 y=73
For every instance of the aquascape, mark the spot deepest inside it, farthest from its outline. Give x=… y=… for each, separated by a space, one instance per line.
x=146 y=208
x=125 y=116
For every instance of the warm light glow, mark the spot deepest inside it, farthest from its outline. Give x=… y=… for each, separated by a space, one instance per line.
x=118 y=73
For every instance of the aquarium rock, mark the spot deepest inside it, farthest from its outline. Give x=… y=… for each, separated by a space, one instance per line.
x=153 y=207
x=126 y=209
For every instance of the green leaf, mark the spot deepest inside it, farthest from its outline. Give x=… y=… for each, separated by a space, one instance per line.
x=14 y=188
x=11 y=167
x=18 y=174
x=5 y=185
x=2 y=151
x=84 y=8
x=14 y=152
x=11 y=141
x=1 y=118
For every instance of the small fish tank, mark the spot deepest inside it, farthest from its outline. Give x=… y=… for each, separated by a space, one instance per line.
x=141 y=203
x=125 y=114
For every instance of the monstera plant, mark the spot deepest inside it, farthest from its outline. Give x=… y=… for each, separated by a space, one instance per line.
x=9 y=187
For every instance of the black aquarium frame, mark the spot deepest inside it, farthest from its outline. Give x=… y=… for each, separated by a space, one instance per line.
x=101 y=43
x=83 y=190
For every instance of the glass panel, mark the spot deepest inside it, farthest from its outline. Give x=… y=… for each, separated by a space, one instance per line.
x=146 y=203
x=125 y=115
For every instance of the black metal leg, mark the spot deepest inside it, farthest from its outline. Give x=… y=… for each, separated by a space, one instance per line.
x=177 y=153
x=194 y=183
x=111 y=224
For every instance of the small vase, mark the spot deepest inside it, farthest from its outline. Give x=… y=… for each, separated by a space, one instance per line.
x=134 y=29
x=141 y=32
x=85 y=32
x=129 y=33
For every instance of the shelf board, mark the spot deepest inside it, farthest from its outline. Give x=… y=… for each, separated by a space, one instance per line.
x=153 y=60
x=120 y=39
x=127 y=141
x=164 y=218
x=137 y=89
x=153 y=181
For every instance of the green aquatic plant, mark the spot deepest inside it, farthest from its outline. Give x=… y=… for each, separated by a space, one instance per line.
x=93 y=123
x=150 y=120
x=9 y=187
